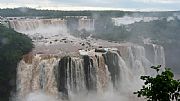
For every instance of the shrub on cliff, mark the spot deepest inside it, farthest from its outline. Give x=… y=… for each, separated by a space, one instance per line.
x=160 y=88
x=12 y=46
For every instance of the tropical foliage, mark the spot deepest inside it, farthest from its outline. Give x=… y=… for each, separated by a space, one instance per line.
x=13 y=46
x=162 y=87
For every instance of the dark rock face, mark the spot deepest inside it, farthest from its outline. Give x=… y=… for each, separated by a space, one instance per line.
x=100 y=50
x=62 y=76
x=111 y=60
x=90 y=73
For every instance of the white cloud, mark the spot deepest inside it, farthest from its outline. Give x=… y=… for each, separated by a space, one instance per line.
x=52 y=3
x=52 y=6
x=89 y=4
x=75 y=8
x=32 y=1
x=158 y=1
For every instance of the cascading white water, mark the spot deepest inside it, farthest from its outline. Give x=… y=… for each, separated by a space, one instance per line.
x=36 y=75
x=159 y=55
x=87 y=24
x=48 y=27
x=114 y=73
x=75 y=75
x=34 y=26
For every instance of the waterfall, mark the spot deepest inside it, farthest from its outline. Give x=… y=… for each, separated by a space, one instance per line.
x=159 y=55
x=109 y=72
x=36 y=74
x=48 y=27
x=87 y=24
x=70 y=76
x=32 y=27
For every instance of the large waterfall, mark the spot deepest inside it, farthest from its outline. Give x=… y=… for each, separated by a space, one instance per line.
x=100 y=74
x=46 y=26
x=74 y=69
x=50 y=26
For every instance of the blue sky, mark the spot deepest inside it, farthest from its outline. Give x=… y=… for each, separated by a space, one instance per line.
x=144 y=5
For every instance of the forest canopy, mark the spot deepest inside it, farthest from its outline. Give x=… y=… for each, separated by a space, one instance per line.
x=13 y=46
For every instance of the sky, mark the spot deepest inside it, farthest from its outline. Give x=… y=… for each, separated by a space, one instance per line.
x=130 y=5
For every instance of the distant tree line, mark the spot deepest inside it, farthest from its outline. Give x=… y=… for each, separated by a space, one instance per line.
x=29 y=12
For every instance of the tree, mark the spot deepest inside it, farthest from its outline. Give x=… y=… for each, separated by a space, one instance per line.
x=162 y=87
x=13 y=46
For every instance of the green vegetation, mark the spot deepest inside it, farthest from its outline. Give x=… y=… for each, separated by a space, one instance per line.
x=13 y=46
x=105 y=29
x=160 y=88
